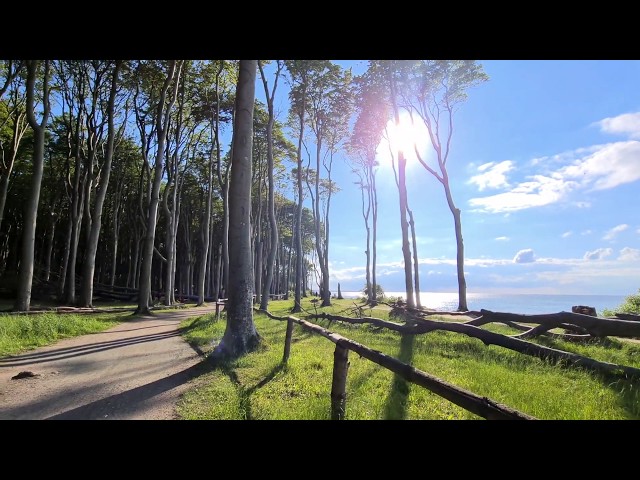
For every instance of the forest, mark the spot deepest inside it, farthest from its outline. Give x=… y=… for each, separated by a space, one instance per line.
x=115 y=174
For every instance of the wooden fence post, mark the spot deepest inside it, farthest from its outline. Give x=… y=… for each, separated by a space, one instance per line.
x=287 y=341
x=339 y=383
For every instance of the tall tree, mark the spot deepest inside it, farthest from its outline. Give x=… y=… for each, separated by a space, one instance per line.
x=240 y=335
x=299 y=72
x=25 y=275
x=433 y=91
x=273 y=224
x=162 y=116
x=89 y=266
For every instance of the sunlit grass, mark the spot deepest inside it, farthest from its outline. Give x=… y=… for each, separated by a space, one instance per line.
x=24 y=332
x=258 y=386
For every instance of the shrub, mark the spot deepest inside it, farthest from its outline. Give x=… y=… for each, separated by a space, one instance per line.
x=631 y=305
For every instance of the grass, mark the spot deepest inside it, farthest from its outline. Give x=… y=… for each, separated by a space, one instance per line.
x=259 y=386
x=19 y=333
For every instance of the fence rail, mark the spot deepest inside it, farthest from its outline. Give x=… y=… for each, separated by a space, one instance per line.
x=481 y=406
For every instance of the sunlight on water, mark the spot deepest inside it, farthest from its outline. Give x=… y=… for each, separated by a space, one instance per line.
x=513 y=303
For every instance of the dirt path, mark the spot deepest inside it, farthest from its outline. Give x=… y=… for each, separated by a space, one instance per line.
x=136 y=370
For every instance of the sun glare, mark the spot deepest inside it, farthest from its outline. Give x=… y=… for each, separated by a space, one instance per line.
x=403 y=137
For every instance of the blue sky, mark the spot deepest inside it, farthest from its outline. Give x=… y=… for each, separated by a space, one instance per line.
x=545 y=166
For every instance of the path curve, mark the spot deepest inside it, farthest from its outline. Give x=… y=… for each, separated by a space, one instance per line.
x=135 y=370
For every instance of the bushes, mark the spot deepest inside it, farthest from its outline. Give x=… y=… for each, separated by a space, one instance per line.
x=631 y=305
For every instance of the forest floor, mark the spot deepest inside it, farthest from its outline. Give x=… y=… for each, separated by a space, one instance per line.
x=136 y=370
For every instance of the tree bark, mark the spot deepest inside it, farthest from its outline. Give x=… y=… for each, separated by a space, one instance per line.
x=240 y=335
x=273 y=224
x=162 y=122
x=86 y=294
x=25 y=274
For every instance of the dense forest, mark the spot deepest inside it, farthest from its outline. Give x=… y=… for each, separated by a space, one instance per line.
x=115 y=175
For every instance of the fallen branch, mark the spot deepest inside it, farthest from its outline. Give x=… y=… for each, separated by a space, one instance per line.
x=596 y=326
x=491 y=338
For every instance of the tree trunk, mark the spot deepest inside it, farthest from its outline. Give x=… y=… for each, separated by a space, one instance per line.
x=240 y=334
x=416 y=269
x=374 y=285
x=297 y=306
x=161 y=132
x=273 y=224
x=406 y=251
x=49 y=249
x=86 y=296
x=25 y=274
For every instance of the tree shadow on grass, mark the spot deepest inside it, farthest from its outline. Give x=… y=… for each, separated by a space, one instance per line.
x=396 y=403
x=244 y=393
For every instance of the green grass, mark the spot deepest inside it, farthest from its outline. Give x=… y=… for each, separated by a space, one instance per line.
x=258 y=386
x=24 y=332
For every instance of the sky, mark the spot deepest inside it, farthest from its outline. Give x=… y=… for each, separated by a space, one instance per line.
x=545 y=167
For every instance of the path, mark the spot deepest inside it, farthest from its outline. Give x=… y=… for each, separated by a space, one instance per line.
x=136 y=370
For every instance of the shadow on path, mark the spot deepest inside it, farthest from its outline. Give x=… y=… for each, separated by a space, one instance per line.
x=132 y=400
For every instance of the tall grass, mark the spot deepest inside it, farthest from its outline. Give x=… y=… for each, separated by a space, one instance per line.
x=23 y=332
x=258 y=386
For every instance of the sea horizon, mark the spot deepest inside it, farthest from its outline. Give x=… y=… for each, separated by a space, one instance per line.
x=526 y=303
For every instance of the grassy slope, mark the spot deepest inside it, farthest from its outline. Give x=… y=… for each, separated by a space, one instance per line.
x=257 y=386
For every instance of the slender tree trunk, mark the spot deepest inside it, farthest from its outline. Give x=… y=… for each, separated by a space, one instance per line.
x=374 y=285
x=65 y=260
x=240 y=334
x=406 y=251
x=86 y=294
x=297 y=306
x=25 y=274
x=416 y=269
x=49 y=249
x=161 y=132
x=19 y=128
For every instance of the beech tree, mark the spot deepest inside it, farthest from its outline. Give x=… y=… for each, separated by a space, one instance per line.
x=240 y=334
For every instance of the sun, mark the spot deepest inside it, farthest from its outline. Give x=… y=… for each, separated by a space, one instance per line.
x=404 y=137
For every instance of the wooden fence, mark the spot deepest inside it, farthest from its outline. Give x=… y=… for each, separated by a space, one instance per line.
x=481 y=406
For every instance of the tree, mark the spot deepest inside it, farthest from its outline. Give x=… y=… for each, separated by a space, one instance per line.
x=162 y=116
x=240 y=334
x=25 y=275
x=273 y=225
x=86 y=298
x=433 y=90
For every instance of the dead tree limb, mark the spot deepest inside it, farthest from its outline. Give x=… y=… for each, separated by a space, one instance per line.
x=491 y=338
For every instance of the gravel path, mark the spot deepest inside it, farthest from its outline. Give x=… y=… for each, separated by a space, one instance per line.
x=136 y=370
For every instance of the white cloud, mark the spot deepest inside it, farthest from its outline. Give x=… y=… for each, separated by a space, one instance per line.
x=612 y=165
x=598 y=254
x=504 y=239
x=629 y=254
x=524 y=256
x=541 y=190
x=610 y=235
x=592 y=168
x=567 y=234
x=586 y=232
x=638 y=230
x=493 y=176
x=627 y=123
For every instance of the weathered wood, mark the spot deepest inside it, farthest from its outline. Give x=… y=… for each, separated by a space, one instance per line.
x=481 y=406
x=596 y=326
x=287 y=341
x=628 y=316
x=339 y=382
x=491 y=338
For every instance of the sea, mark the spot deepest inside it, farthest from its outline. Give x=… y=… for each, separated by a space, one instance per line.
x=511 y=303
